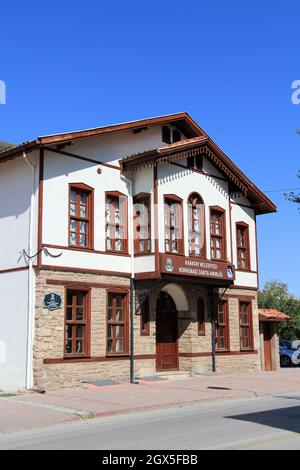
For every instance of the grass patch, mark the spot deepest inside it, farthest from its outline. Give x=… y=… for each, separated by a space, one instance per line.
x=7 y=394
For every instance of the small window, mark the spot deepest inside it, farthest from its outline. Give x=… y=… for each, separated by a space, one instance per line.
x=117 y=324
x=76 y=323
x=222 y=327
x=195 y=162
x=145 y=317
x=242 y=243
x=116 y=222
x=166 y=134
x=176 y=136
x=201 y=317
x=173 y=225
x=217 y=234
x=246 y=337
x=80 y=217
x=142 y=224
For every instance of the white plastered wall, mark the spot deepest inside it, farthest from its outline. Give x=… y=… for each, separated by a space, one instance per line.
x=16 y=186
x=60 y=171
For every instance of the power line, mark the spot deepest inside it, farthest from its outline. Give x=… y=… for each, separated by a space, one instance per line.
x=280 y=190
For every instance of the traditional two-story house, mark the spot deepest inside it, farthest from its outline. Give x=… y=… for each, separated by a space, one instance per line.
x=127 y=251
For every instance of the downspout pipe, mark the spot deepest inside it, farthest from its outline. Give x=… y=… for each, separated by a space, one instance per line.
x=30 y=299
x=131 y=235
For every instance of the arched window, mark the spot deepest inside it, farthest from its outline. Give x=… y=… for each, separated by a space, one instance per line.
x=196 y=213
x=201 y=317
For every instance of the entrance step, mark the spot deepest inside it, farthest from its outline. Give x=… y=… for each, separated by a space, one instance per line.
x=174 y=375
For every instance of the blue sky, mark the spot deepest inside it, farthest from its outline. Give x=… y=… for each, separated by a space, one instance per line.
x=73 y=65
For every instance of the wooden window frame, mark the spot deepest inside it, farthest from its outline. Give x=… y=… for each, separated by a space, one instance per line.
x=142 y=198
x=176 y=136
x=213 y=236
x=86 y=323
x=225 y=324
x=201 y=316
x=164 y=137
x=114 y=322
x=248 y=325
x=124 y=223
x=172 y=198
x=145 y=317
x=192 y=252
x=195 y=162
x=82 y=188
x=245 y=249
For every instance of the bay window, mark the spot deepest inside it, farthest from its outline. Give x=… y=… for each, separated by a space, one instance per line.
x=142 y=223
x=242 y=243
x=173 y=225
x=217 y=234
x=116 y=222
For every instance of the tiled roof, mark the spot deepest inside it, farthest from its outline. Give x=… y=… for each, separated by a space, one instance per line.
x=183 y=142
x=164 y=148
x=181 y=120
x=5 y=146
x=272 y=315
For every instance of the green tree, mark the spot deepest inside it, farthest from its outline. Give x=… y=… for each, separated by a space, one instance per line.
x=275 y=295
x=292 y=196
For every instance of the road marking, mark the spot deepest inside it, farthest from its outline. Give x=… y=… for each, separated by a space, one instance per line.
x=257 y=441
x=82 y=413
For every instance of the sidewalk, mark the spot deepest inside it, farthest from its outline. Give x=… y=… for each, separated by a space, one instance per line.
x=34 y=410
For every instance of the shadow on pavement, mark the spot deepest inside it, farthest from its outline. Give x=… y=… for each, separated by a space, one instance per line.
x=283 y=418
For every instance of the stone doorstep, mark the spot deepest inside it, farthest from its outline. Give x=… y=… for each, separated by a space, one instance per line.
x=175 y=375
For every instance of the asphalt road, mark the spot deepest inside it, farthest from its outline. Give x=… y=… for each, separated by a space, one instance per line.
x=257 y=423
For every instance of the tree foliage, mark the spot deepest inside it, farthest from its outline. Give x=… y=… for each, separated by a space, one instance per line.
x=292 y=196
x=275 y=295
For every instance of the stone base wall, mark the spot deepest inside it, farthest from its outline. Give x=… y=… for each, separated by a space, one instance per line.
x=194 y=350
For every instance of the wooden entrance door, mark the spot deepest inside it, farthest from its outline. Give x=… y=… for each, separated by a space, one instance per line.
x=267 y=331
x=166 y=333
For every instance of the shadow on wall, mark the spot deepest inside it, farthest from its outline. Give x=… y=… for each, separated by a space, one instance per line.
x=179 y=173
x=183 y=305
x=15 y=189
x=287 y=418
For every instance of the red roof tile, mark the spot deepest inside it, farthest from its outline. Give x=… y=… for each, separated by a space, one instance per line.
x=272 y=315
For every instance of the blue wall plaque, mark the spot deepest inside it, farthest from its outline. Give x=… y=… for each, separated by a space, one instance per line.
x=52 y=301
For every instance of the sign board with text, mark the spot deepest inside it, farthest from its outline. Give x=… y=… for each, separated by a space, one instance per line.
x=188 y=266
